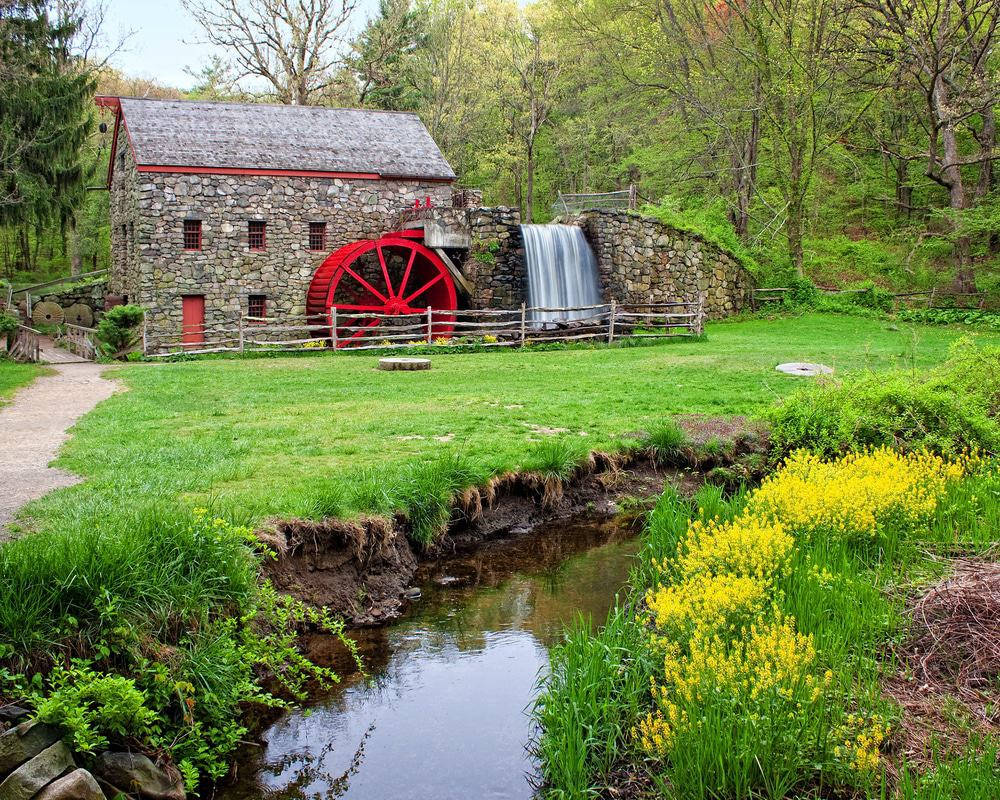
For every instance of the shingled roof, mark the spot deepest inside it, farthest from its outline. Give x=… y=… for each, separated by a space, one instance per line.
x=188 y=134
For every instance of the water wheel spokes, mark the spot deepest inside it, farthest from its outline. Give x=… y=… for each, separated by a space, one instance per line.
x=347 y=285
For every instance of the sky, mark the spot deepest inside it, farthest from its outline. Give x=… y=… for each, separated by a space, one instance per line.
x=165 y=39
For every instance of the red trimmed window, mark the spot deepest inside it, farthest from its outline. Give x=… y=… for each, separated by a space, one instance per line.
x=257 y=305
x=257 y=234
x=192 y=234
x=317 y=236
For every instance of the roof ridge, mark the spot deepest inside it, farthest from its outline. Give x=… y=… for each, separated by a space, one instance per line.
x=262 y=105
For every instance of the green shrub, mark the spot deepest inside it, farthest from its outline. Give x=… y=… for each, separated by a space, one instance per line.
x=117 y=329
x=91 y=707
x=951 y=410
x=167 y=626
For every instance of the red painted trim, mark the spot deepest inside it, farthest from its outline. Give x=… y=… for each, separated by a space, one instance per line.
x=106 y=101
x=284 y=173
x=114 y=147
x=322 y=235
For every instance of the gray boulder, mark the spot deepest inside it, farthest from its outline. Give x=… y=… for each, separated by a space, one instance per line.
x=24 y=782
x=23 y=742
x=134 y=772
x=77 y=785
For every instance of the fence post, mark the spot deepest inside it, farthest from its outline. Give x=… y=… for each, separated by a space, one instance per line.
x=430 y=323
x=524 y=327
x=145 y=347
x=28 y=301
x=333 y=326
x=242 y=345
x=611 y=321
x=632 y=197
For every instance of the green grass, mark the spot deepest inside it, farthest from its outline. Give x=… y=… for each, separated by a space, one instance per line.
x=14 y=375
x=306 y=436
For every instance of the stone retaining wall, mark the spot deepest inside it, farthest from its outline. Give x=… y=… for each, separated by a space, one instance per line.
x=642 y=260
x=495 y=263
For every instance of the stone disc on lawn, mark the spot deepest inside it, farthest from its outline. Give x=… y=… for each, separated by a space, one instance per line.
x=404 y=363
x=804 y=369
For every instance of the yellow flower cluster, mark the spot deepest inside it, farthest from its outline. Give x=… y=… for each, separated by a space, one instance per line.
x=860 y=738
x=712 y=601
x=746 y=546
x=716 y=617
x=854 y=493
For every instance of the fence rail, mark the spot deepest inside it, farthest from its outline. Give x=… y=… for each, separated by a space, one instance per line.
x=486 y=327
x=575 y=203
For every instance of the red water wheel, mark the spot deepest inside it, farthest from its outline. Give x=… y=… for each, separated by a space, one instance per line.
x=393 y=275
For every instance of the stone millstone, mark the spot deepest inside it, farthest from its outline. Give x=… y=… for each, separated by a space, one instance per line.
x=804 y=369
x=78 y=785
x=404 y=363
x=24 y=782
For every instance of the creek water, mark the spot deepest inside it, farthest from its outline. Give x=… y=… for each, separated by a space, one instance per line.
x=445 y=712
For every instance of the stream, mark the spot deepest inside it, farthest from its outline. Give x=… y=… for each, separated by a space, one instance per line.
x=445 y=712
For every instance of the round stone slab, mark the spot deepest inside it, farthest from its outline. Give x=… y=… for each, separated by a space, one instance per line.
x=404 y=363
x=804 y=369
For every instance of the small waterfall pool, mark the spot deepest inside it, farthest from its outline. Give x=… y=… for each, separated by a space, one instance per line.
x=446 y=712
x=562 y=272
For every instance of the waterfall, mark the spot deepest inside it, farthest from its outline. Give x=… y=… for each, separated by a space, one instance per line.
x=562 y=272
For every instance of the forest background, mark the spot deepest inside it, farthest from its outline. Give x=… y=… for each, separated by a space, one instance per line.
x=840 y=141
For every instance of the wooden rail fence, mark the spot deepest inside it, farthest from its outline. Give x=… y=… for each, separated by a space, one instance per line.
x=484 y=327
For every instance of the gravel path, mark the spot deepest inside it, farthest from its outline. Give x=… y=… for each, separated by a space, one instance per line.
x=34 y=426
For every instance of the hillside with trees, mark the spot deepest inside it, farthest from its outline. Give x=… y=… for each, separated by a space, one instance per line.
x=840 y=140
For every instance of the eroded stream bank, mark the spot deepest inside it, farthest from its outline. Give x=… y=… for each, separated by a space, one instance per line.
x=446 y=712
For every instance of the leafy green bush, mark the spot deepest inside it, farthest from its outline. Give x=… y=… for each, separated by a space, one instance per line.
x=8 y=325
x=90 y=707
x=951 y=410
x=117 y=329
x=168 y=629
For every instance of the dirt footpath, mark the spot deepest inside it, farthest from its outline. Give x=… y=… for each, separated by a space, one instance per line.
x=34 y=426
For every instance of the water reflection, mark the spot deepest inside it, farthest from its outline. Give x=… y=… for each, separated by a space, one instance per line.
x=445 y=713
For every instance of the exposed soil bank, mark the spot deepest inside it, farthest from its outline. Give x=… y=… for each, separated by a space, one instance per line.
x=365 y=569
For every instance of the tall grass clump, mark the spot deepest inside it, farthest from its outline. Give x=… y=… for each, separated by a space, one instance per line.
x=665 y=442
x=426 y=491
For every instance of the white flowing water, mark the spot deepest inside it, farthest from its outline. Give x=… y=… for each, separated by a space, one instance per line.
x=562 y=272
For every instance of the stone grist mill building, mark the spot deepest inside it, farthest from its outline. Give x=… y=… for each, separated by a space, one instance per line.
x=221 y=209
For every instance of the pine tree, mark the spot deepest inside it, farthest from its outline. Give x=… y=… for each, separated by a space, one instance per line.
x=45 y=116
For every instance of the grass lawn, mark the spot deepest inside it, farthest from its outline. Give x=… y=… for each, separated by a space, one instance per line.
x=301 y=436
x=14 y=375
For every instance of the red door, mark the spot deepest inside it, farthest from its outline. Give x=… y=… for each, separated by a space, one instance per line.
x=193 y=319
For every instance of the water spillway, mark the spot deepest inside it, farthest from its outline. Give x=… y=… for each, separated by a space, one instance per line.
x=562 y=272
